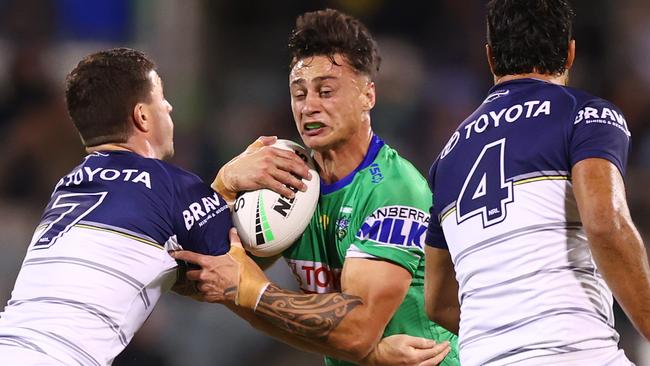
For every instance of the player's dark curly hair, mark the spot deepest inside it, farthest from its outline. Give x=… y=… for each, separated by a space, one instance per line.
x=328 y=32
x=102 y=91
x=529 y=35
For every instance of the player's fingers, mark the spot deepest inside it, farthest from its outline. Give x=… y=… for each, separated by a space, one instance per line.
x=421 y=343
x=276 y=186
x=267 y=140
x=288 y=179
x=193 y=275
x=290 y=162
x=235 y=241
x=437 y=360
x=187 y=256
x=261 y=142
x=435 y=355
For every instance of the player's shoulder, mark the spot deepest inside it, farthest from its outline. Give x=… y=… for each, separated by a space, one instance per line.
x=591 y=109
x=177 y=174
x=583 y=98
x=397 y=170
x=392 y=177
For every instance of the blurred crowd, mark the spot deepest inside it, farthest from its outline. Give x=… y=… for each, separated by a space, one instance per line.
x=225 y=68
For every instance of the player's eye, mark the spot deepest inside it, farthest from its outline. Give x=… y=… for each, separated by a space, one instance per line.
x=325 y=93
x=299 y=94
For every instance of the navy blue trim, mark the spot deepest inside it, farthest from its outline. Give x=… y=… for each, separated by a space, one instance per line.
x=115 y=152
x=516 y=81
x=375 y=145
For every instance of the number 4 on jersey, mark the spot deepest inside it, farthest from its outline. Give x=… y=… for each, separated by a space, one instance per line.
x=486 y=191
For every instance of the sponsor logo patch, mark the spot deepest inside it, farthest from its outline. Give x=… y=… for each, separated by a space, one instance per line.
x=203 y=210
x=402 y=226
x=604 y=116
x=496 y=95
x=375 y=173
x=316 y=277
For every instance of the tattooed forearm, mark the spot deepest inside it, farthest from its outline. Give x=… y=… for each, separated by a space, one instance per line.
x=307 y=315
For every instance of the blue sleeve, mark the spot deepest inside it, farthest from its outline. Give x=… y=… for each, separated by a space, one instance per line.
x=600 y=131
x=435 y=236
x=200 y=216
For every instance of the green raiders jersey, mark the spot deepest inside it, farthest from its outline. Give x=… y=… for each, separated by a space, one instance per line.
x=379 y=211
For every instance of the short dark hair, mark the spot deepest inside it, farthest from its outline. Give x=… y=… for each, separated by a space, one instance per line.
x=102 y=90
x=328 y=32
x=529 y=36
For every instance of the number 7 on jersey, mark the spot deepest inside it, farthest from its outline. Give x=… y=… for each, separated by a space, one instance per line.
x=68 y=210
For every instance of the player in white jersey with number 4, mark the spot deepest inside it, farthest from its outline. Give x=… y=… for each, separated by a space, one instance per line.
x=99 y=261
x=530 y=232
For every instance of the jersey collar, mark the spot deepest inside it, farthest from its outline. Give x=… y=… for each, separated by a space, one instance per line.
x=516 y=82
x=375 y=145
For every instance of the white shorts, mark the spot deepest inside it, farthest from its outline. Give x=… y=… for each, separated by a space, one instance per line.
x=18 y=356
x=608 y=356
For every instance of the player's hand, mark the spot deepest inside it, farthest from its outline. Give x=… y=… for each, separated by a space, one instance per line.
x=262 y=166
x=183 y=286
x=232 y=278
x=216 y=281
x=405 y=350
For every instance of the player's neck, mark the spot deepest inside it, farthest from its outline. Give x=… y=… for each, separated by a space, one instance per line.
x=550 y=78
x=338 y=162
x=145 y=151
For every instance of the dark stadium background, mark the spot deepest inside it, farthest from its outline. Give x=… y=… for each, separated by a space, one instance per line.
x=225 y=69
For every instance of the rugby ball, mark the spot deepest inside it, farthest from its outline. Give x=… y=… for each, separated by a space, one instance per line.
x=269 y=223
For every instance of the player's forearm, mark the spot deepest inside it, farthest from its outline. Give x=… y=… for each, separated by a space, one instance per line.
x=447 y=316
x=271 y=330
x=622 y=260
x=313 y=316
x=442 y=306
x=441 y=289
x=326 y=322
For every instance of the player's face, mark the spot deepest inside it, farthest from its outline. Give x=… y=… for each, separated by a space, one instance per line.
x=162 y=126
x=330 y=101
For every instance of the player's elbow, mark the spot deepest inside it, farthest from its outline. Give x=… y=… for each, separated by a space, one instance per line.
x=357 y=345
x=432 y=312
x=358 y=349
x=436 y=313
x=445 y=315
x=433 y=307
x=602 y=229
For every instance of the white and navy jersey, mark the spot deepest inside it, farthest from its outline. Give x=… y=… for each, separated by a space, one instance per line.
x=504 y=208
x=98 y=261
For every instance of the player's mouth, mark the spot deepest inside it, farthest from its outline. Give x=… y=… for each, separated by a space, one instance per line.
x=312 y=128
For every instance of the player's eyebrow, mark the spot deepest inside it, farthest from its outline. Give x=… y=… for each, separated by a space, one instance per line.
x=318 y=79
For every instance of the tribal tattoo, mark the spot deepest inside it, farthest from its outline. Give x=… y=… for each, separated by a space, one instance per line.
x=307 y=315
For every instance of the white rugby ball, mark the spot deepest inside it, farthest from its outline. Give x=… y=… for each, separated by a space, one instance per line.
x=269 y=223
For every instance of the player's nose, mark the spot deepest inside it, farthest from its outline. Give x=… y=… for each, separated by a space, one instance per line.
x=311 y=104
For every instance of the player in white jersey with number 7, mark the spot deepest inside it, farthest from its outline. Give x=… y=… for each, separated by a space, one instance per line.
x=99 y=261
x=530 y=233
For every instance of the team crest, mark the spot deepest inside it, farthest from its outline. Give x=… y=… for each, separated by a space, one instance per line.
x=343 y=222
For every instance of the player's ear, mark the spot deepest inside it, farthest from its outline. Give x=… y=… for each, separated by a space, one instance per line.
x=140 y=118
x=571 y=54
x=490 y=58
x=368 y=96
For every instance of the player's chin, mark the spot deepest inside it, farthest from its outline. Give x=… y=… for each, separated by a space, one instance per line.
x=318 y=142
